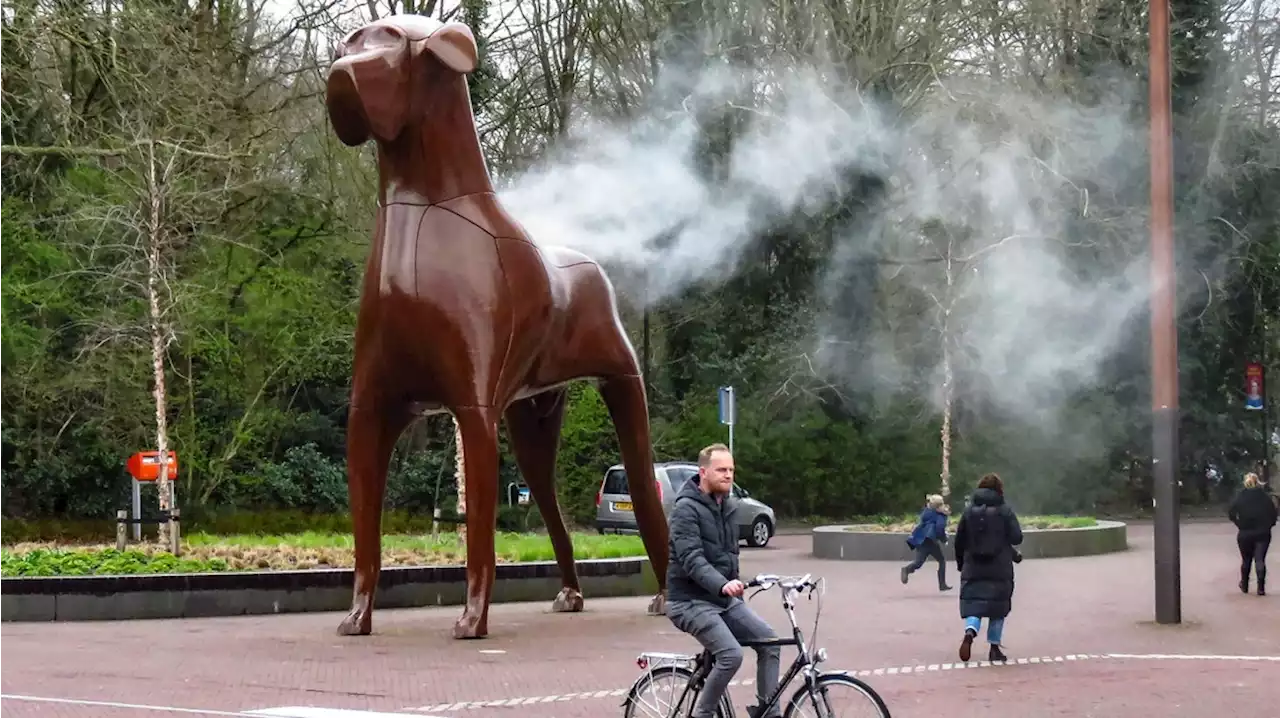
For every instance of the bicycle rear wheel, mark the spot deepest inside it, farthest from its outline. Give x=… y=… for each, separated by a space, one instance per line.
x=660 y=693
x=837 y=695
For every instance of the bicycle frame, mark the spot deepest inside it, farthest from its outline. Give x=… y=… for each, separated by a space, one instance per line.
x=806 y=660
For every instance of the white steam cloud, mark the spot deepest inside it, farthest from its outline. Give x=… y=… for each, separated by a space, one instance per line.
x=633 y=195
x=1000 y=191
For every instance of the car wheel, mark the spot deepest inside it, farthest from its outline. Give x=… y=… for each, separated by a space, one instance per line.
x=760 y=532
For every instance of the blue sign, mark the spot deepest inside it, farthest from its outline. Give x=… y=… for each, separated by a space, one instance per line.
x=728 y=409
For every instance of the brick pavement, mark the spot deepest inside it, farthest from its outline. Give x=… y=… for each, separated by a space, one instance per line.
x=542 y=665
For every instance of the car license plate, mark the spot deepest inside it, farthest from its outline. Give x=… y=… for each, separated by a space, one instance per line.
x=622 y=506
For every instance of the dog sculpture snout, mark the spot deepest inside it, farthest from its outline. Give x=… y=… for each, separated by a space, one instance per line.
x=368 y=87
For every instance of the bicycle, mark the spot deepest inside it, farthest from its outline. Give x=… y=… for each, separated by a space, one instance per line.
x=691 y=672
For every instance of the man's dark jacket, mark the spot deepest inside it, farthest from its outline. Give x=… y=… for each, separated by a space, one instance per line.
x=704 y=546
x=986 y=583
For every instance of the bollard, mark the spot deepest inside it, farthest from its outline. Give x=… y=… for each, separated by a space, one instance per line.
x=175 y=541
x=122 y=529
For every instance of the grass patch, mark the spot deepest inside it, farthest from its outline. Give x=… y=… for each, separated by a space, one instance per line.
x=204 y=552
x=905 y=524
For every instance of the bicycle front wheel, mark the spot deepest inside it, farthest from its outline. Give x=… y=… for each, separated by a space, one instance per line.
x=664 y=692
x=837 y=695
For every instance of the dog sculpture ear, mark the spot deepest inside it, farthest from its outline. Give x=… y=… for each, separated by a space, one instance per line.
x=455 y=47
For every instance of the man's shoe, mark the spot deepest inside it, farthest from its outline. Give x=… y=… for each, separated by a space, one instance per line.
x=904 y=573
x=966 y=645
x=995 y=655
x=754 y=712
x=1262 y=587
x=1244 y=585
x=944 y=587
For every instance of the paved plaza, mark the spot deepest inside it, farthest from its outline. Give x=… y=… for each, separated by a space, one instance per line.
x=1082 y=641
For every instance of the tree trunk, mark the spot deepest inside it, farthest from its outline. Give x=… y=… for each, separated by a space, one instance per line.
x=164 y=488
x=947 y=378
x=460 y=478
x=946 y=419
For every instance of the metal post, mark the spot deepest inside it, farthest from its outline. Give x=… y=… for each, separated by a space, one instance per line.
x=175 y=543
x=1164 y=340
x=731 y=438
x=644 y=338
x=122 y=534
x=1266 y=408
x=137 y=509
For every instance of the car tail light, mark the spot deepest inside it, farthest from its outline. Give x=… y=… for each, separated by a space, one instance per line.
x=599 y=496
x=659 y=485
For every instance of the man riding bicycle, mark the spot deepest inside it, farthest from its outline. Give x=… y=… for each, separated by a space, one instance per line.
x=704 y=595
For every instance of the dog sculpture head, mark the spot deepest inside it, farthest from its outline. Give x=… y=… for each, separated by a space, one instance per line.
x=382 y=74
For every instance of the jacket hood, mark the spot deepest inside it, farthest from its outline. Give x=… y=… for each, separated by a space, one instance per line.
x=987 y=497
x=693 y=490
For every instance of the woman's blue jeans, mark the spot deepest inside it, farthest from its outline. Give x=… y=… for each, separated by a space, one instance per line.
x=995 y=628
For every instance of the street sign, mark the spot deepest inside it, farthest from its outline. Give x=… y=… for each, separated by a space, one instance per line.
x=1253 y=386
x=728 y=411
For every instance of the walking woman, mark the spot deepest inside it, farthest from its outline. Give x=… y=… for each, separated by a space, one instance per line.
x=985 y=536
x=927 y=540
x=1254 y=513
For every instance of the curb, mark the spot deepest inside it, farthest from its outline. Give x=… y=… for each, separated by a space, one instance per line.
x=835 y=542
x=202 y=595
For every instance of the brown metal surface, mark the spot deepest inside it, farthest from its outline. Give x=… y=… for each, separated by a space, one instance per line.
x=462 y=312
x=1164 y=340
x=1164 y=330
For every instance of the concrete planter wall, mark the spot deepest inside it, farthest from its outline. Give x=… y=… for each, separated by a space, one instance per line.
x=842 y=543
x=80 y=598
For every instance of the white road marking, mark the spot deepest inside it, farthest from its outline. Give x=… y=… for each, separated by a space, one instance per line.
x=114 y=704
x=282 y=712
x=1185 y=657
x=316 y=712
x=886 y=671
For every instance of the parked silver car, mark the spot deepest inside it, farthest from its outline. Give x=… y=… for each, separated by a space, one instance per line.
x=756 y=521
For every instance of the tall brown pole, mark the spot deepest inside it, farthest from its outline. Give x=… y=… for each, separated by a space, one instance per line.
x=1164 y=333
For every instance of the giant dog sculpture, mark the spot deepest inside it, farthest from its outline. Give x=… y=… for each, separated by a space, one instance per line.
x=461 y=312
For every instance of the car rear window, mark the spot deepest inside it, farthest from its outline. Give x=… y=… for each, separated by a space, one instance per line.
x=615 y=482
x=679 y=475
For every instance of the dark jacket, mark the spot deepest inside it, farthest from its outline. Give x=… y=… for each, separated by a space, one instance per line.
x=1253 y=512
x=932 y=525
x=704 y=546
x=986 y=581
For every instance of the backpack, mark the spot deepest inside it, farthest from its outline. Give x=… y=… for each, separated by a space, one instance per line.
x=988 y=532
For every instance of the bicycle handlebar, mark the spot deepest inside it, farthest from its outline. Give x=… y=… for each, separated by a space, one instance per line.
x=766 y=581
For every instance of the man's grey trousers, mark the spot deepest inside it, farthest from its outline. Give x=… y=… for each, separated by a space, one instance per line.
x=719 y=630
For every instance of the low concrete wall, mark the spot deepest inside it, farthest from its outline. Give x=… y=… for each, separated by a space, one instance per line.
x=840 y=542
x=83 y=598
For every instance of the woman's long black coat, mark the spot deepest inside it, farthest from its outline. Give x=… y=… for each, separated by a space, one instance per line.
x=986 y=585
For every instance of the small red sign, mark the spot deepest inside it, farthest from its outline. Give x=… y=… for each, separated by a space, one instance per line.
x=145 y=465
